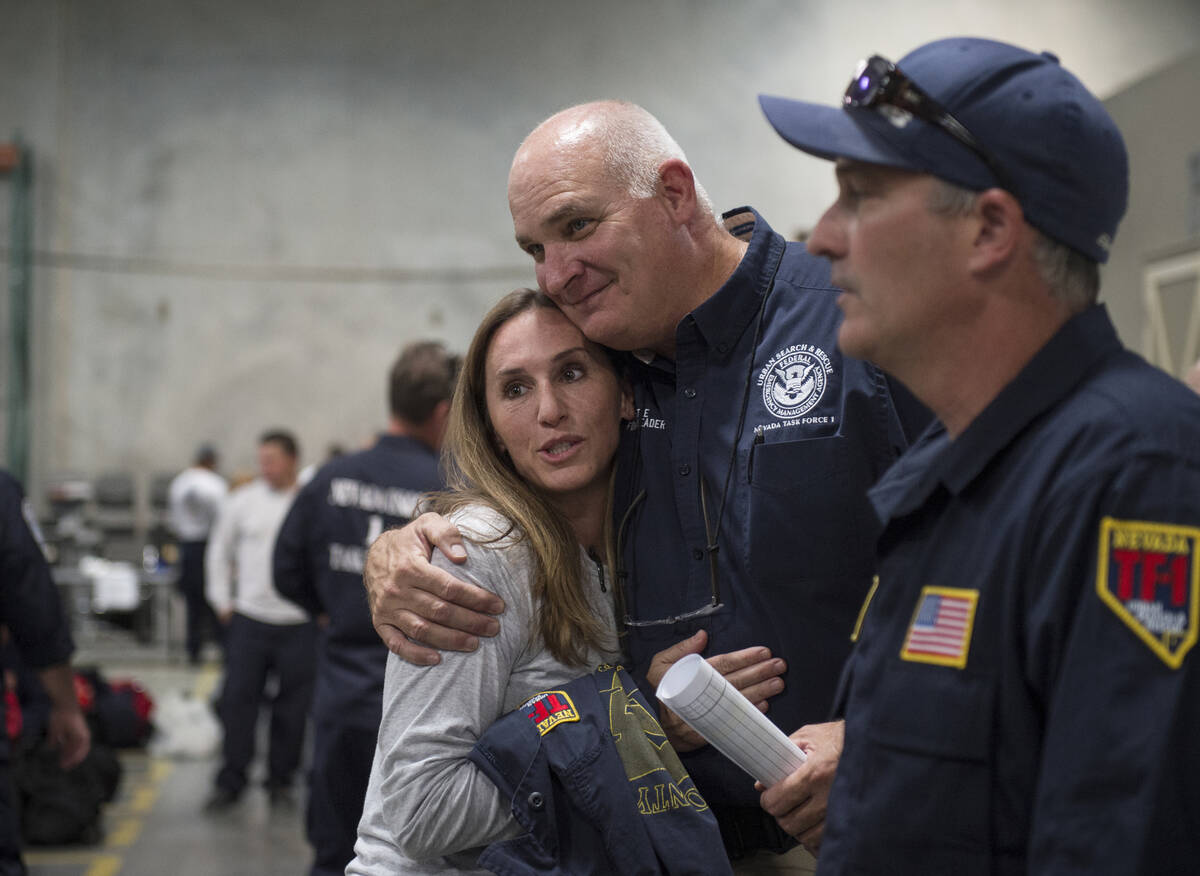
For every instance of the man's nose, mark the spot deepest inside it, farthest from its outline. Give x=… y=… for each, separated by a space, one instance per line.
x=827 y=239
x=557 y=270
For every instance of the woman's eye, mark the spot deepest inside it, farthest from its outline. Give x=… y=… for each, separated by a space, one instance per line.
x=514 y=390
x=572 y=373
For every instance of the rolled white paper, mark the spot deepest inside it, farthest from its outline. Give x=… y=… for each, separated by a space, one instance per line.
x=719 y=712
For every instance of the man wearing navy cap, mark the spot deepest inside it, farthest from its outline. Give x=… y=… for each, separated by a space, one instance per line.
x=1023 y=696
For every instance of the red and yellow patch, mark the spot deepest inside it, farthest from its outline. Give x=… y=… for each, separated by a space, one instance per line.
x=1149 y=575
x=549 y=709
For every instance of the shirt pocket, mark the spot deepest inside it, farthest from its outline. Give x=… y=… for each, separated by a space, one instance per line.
x=928 y=772
x=809 y=513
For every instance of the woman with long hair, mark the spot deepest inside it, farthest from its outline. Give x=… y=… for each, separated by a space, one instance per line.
x=533 y=431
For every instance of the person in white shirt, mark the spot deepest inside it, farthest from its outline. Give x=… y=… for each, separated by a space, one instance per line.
x=265 y=633
x=193 y=499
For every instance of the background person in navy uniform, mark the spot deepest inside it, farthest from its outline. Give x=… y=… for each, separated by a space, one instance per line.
x=1024 y=696
x=31 y=610
x=741 y=517
x=318 y=564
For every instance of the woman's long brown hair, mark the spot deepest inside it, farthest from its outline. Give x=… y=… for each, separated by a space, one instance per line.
x=476 y=472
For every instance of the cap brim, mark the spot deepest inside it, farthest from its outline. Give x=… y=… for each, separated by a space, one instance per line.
x=828 y=132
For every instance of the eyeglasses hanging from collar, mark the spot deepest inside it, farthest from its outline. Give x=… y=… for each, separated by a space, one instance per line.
x=712 y=533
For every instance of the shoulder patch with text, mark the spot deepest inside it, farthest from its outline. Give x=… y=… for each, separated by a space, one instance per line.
x=940 y=631
x=549 y=709
x=1149 y=575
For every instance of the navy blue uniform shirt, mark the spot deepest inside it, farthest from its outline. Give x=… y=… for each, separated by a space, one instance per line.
x=1024 y=696
x=595 y=786
x=795 y=546
x=319 y=557
x=29 y=602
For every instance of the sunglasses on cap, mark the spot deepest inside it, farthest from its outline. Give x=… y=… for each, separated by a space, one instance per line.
x=879 y=83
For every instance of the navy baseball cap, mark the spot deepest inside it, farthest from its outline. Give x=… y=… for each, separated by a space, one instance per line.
x=1015 y=119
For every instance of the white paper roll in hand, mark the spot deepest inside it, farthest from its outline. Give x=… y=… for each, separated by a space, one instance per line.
x=700 y=695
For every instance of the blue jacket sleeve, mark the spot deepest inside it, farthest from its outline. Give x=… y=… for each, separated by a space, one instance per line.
x=29 y=601
x=294 y=569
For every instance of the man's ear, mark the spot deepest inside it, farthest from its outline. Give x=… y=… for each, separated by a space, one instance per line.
x=1000 y=227
x=677 y=186
x=442 y=412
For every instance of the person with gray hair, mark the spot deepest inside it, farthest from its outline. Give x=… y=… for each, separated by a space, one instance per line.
x=1024 y=696
x=741 y=526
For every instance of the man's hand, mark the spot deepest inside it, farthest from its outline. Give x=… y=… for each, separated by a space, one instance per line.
x=66 y=728
x=68 y=731
x=798 y=803
x=753 y=671
x=414 y=604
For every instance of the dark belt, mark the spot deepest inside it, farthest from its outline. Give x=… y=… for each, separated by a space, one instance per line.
x=747 y=829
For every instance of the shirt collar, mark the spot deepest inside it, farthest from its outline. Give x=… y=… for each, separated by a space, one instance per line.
x=724 y=317
x=726 y=314
x=396 y=442
x=1053 y=372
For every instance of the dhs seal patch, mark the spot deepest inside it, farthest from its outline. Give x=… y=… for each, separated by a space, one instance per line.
x=794 y=379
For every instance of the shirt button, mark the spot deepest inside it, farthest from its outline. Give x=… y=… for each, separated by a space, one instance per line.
x=685 y=470
x=689 y=393
x=536 y=801
x=722 y=348
x=697 y=554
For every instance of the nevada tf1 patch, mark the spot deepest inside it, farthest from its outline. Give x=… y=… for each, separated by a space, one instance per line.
x=1149 y=575
x=940 y=631
x=549 y=709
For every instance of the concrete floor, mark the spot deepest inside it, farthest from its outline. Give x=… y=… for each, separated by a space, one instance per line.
x=156 y=825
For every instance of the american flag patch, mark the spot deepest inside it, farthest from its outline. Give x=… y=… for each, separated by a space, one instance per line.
x=940 y=631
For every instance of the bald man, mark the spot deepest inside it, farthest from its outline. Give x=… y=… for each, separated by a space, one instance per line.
x=740 y=517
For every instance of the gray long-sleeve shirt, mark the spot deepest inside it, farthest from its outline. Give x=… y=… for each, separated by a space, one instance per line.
x=428 y=809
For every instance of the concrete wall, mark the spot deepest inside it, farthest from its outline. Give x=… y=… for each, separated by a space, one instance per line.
x=243 y=209
x=1160 y=120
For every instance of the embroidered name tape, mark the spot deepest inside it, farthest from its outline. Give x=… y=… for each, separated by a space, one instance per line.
x=549 y=709
x=940 y=631
x=1149 y=575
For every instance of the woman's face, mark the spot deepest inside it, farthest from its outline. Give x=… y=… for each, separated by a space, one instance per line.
x=555 y=404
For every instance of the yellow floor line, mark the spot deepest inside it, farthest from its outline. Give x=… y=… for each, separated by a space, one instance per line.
x=105 y=865
x=141 y=800
x=124 y=834
x=160 y=768
x=206 y=682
